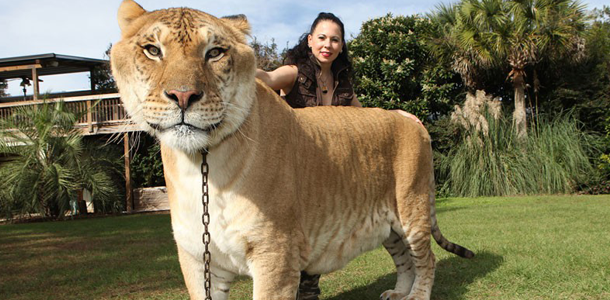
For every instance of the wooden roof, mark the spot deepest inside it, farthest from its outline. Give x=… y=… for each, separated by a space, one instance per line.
x=46 y=64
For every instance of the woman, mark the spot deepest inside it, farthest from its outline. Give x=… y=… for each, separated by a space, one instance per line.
x=317 y=71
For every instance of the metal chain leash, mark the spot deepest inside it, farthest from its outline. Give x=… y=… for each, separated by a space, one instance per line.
x=205 y=199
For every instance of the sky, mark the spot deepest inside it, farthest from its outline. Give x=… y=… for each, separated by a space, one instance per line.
x=86 y=28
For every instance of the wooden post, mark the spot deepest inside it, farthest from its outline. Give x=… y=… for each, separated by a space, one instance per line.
x=35 y=80
x=115 y=110
x=128 y=190
x=89 y=116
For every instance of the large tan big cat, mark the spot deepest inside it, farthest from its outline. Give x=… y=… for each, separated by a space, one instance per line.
x=290 y=190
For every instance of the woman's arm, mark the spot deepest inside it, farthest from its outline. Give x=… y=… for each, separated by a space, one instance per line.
x=282 y=78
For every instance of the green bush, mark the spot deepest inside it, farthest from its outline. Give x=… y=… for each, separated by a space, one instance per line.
x=605 y=158
x=393 y=69
x=146 y=165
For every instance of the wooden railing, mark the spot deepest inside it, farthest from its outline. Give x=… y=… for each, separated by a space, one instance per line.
x=101 y=114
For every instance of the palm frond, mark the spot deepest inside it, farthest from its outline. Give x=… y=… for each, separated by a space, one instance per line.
x=49 y=162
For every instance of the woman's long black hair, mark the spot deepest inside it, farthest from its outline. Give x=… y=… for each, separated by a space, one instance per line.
x=301 y=51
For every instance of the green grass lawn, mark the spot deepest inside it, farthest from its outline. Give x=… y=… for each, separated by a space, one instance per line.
x=551 y=247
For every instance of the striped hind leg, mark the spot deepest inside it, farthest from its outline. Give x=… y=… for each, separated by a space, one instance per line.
x=418 y=239
x=405 y=271
x=415 y=232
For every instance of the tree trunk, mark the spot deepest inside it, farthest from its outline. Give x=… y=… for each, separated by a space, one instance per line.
x=519 y=115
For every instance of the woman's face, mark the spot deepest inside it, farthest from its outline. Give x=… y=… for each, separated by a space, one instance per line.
x=326 y=41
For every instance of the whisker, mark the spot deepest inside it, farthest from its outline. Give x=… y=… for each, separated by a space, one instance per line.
x=116 y=137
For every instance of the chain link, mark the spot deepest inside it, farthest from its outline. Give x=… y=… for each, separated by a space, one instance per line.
x=205 y=199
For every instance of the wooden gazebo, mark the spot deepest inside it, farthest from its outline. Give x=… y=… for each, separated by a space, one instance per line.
x=30 y=68
x=102 y=111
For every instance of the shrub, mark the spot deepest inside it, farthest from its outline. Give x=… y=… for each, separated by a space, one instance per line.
x=602 y=187
x=393 y=69
x=146 y=165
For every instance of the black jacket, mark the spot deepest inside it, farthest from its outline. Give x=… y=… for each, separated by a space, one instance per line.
x=306 y=93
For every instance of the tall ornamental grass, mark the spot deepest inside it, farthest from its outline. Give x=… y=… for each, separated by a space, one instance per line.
x=552 y=159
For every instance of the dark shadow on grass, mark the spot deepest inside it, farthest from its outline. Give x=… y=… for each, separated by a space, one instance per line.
x=453 y=275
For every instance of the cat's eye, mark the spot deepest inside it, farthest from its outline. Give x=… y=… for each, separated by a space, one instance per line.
x=215 y=53
x=153 y=51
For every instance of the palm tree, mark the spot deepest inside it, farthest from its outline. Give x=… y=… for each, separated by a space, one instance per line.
x=543 y=30
x=490 y=34
x=48 y=162
x=465 y=56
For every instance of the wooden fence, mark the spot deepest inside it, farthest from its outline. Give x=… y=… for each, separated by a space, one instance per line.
x=100 y=114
